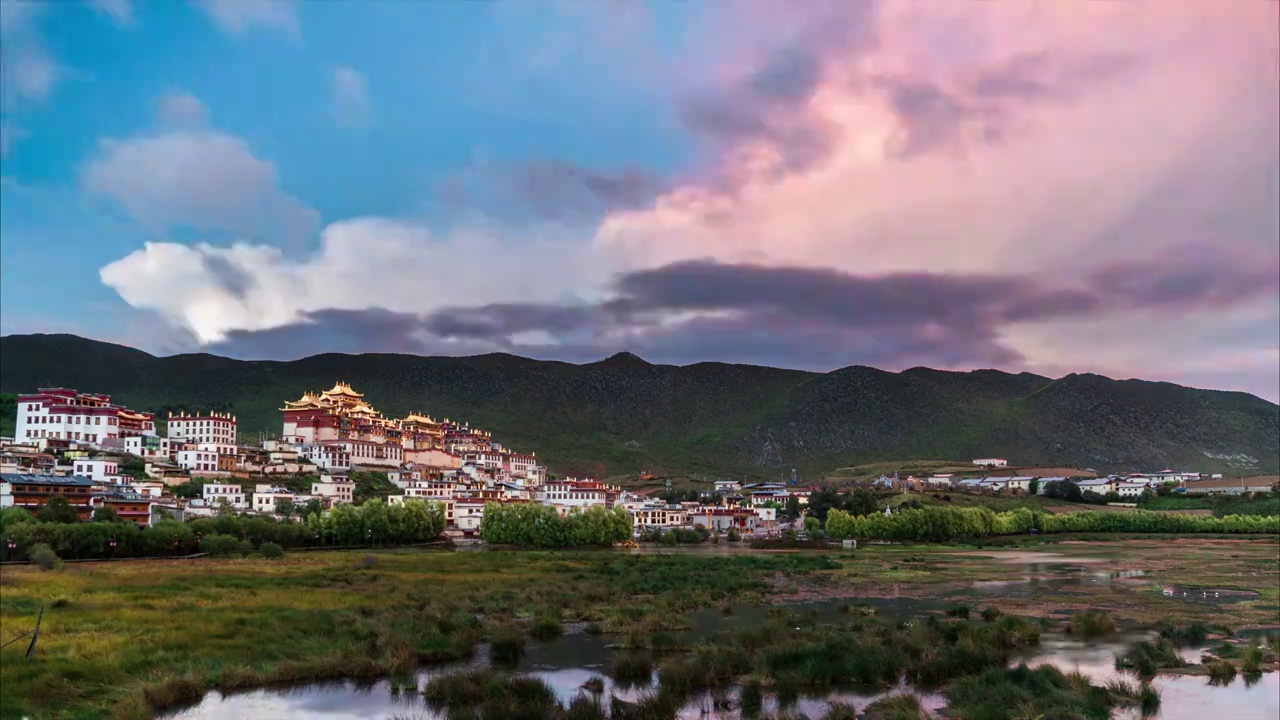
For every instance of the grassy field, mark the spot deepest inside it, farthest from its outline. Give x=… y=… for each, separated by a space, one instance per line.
x=1221 y=505
x=123 y=639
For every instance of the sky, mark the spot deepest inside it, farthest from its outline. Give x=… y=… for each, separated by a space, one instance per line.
x=1050 y=187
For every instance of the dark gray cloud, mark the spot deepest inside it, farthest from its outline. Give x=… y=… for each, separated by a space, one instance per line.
x=792 y=317
x=558 y=188
x=551 y=189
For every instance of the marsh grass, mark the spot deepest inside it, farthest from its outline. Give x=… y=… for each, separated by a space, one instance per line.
x=1091 y=624
x=890 y=707
x=506 y=645
x=1147 y=657
x=1022 y=692
x=235 y=624
x=633 y=667
x=1220 y=672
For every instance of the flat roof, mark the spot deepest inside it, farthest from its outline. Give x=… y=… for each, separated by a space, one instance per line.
x=71 y=480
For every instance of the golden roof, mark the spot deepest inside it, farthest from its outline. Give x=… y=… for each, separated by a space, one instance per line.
x=132 y=415
x=341 y=388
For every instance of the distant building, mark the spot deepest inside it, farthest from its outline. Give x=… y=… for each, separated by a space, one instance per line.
x=335 y=489
x=214 y=494
x=31 y=492
x=212 y=428
x=991 y=462
x=149 y=446
x=265 y=497
x=64 y=414
x=99 y=470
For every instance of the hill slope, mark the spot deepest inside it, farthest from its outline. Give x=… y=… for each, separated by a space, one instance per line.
x=623 y=414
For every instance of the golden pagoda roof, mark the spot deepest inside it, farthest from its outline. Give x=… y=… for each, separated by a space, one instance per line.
x=414 y=417
x=341 y=388
x=132 y=415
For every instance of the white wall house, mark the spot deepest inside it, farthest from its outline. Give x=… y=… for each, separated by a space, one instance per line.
x=1130 y=489
x=212 y=427
x=991 y=462
x=6 y=495
x=64 y=414
x=214 y=494
x=335 y=490
x=149 y=446
x=199 y=462
x=99 y=470
x=327 y=456
x=467 y=514
x=265 y=497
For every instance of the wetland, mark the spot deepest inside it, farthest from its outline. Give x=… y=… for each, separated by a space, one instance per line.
x=363 y=635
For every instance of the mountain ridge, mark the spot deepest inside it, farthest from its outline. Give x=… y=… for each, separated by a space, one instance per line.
x=624 y=414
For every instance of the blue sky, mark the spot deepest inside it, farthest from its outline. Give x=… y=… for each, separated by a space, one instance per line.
x=813 y=185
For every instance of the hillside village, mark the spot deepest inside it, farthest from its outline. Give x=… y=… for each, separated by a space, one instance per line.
x=336 y=448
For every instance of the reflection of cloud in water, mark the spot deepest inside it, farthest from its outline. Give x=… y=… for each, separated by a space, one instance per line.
x=568 y=662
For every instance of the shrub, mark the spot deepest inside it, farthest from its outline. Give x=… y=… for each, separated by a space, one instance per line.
x=270 y=550
x=220 y=545
x=506 y=645
x=632 y=667
x=959 y=611
x=1091 y=624
x=990 y=614
x=44 y=557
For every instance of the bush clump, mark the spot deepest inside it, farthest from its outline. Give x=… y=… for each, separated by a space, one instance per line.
x=44 y=557
x=270 y=550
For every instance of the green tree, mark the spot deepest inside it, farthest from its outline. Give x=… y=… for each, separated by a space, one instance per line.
x=862 y=503
x=57 y=510
x=1034 y=487
x=792 y=510
x=106 y=514
x=285 y=508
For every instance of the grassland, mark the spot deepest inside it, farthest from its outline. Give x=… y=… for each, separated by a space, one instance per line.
x=125 y=639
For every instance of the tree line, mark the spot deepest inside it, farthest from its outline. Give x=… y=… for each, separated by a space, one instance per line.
x=371 y=523
x=535 y=525
x=934 y=524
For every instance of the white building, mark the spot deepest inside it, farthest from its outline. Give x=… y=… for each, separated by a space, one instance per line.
x=566 y=494
x=327 y=456
x=215 y=493
x=99 y=470
x=656 y=515
x=335 y=489
x=64 y=414
x=940 y=481
x=727 y=485
x=991 y=462
x=6 y=495
x=1130 y=489
x=467 y=514
x=1102 y=486
x=149 y=446
x=1020 y=483
x=214 y=428
x=366 y=453
x=199 y=462
x=265 y=497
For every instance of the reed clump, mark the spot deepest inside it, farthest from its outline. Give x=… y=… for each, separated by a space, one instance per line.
x=1091 y=624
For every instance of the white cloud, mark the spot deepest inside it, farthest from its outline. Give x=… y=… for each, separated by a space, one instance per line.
x=28 y=71
x=182 y=109
x=361 y=263
x=349 y=94
x=120 y=10
x=200 y=179
x=239 y=16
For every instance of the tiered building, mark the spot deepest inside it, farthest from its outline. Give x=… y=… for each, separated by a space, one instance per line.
x=338 y=429
x=64 y=414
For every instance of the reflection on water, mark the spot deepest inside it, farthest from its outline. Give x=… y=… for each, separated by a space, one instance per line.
x=566 y=663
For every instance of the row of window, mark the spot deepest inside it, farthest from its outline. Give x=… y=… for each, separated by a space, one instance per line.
x=70 y=420
x=56 y=435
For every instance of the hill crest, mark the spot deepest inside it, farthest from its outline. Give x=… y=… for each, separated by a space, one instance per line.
x=623 y=414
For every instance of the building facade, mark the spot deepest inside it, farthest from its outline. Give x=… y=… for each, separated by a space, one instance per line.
x=211 y=427
x=65 y=414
